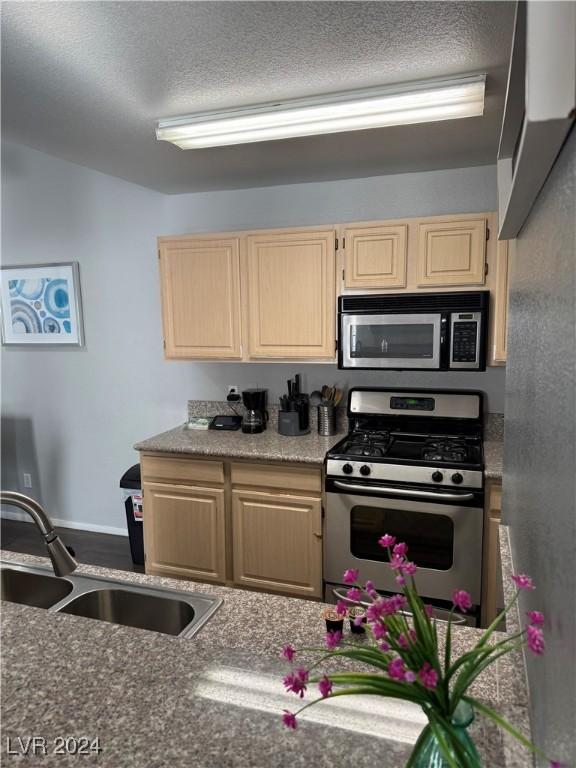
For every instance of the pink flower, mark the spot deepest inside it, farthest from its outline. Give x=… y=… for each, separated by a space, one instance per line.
x=429 y=609
x=325 y=687
x=535 y=638
x=378 y=630
x=393 y=604
x=288 y=652
x=354 y=594
x=384 y=646
x=359 y=620
x=522 y=581
x=387 y=540
x=410 y=676
x=341 y=608
x=371 y=590
x=289 y=720
x=400 y=580
x=535 y=618
x=462 y=599
x=428 y=676
x=403 y=641
x=409 y=568
x=297 y=682
x=375 y=611
x=400 y=549
x=555 y=764
x=396 y=669
x=350 y=576
x=333 y=640
x=397 y=562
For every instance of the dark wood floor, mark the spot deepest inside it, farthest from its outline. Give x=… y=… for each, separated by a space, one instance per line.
x=90 y=548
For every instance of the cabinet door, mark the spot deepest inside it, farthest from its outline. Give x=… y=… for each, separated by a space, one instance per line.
x=493 y=596
x=184 y=531
x=277 y=542
x=452 y=252
x=375 y=257
x=500 y=303
x=292 y=294
x=201 y=298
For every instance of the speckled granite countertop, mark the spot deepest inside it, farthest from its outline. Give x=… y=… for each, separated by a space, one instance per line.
x=270 y=446
x=267 y=446
x=493 y=459
x=212 y=701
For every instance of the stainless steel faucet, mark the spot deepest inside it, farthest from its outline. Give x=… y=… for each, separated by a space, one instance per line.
x=62 y=560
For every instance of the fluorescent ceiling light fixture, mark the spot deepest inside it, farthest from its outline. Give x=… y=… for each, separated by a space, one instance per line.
x=423 y=102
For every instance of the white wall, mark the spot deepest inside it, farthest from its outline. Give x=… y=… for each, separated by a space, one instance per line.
x=71 y=416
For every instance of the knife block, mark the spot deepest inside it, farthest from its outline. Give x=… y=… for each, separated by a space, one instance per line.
x=289 y=424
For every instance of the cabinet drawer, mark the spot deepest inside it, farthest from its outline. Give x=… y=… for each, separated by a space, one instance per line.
x=270 y=476
x=178 y=470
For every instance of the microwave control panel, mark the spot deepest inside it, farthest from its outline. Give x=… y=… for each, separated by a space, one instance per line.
x=465 y=340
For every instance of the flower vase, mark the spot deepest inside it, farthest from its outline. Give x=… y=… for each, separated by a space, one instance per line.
x=429 y=753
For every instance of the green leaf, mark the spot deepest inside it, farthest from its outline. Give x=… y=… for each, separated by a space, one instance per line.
x=458 y=749
x=418 y=746
x=503 y=723
x=444 y=748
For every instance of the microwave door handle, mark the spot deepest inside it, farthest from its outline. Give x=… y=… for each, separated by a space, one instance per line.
x=379 y=491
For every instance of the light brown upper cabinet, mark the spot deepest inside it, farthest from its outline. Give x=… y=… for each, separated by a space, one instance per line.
x=500 y=302
x=452 y=252
x=291 y=294
x=376 y=256
x=200 y=280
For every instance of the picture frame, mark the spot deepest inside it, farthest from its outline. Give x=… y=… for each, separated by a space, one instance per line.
x=41 y=305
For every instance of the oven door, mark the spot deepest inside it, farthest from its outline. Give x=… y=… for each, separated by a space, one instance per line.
x=408 y=341
x=443 y=531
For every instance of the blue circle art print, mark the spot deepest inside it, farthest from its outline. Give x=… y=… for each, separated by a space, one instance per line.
x=40 y=306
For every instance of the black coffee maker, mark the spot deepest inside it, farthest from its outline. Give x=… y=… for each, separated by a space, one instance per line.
x=256 y=415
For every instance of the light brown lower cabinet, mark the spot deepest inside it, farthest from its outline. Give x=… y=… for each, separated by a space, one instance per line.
x=184 y=531
x=277 y=542
x=492 y=593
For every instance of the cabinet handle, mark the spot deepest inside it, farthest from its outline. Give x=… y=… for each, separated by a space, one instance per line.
x=318 y=535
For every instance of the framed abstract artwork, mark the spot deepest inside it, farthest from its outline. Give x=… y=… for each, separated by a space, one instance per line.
x=41 y=305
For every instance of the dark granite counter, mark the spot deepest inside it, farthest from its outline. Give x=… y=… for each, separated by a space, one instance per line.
x=212 y=701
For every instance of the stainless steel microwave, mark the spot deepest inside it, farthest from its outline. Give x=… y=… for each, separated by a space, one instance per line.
x=414 y=331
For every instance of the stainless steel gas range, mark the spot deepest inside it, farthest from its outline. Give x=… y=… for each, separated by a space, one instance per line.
x=412 y=466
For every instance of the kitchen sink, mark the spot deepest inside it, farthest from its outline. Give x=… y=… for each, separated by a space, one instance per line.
x=169 y=611
x=28 y=588
x=133 y=609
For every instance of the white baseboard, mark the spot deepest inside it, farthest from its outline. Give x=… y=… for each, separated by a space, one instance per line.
x=13 y=514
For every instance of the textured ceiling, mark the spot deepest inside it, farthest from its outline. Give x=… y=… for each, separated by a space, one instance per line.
x=86 y=81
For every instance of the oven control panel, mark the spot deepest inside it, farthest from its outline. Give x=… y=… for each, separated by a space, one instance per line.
x=403 y=473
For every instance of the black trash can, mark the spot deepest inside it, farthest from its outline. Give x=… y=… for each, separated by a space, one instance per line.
x=131 y=484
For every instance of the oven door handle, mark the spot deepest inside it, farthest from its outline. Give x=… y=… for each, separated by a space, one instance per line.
x=340 y=593
x=380 y=491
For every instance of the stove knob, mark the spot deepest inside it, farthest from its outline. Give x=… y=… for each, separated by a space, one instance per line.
x=365 y=469
x=347 y=469
x=437 y=477
x=457 y=478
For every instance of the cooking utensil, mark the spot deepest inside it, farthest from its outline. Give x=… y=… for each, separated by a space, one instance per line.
x=315 y=398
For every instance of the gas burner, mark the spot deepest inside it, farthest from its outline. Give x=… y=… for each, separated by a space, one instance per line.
x=445 y=450
x=370 y=444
